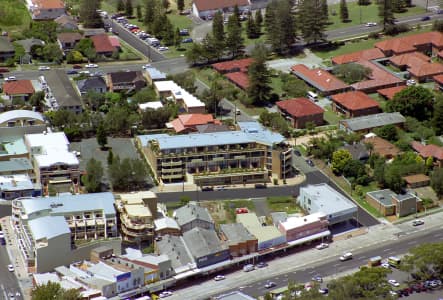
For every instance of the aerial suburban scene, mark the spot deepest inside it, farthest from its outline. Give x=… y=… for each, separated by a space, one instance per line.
x=221 y=149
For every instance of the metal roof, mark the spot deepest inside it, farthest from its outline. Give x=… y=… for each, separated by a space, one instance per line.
x=191 y=212
x=20 y=114
x=373 y=121
x=326 y=200
x=48 y=227
x=202 y=242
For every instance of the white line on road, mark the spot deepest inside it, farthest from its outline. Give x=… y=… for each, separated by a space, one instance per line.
x=412 y=242
x=386 y=250
x=310 y=272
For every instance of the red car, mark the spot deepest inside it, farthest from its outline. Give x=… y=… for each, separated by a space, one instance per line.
x=77 y=67
x=4 y=70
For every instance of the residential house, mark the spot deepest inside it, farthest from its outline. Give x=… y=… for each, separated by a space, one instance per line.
x=152 y=74
x=68 y=40
x=315 y=198
x=169 y=90
x=240 y=79
x=48 y=227
x=204 y=9
x=18 y=90
x=368 y=54
x=426 y=151
x=438 y=80
x=300 y=111
x=103 y=45
x=188 y=122
x=126 y=81
x=320 y=79
x=307 y=228
x=382 y=147
x=379 y=78
x=354 y=104
x=90 y=32
x=7 y=50
x=235 y=71
x=418 y=65
x=417 y=180
x=64 y=95
x=66 y=22
x=427 y=42
x=115 y=42
x=42 y=10
x=239 y=240
x=389 y=93
x=96 y=84
x=358 y=151
x=367 y=123
x=27 y=45
x=191 y=216
x=166 y=226
x=389 y=203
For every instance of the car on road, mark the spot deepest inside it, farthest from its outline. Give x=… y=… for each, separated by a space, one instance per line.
x=219 y=277
x=165 y=294
x=270 y=284
x=371 y=24
x=297 y=152
x=219 y=188
x=11 y=296
x=393 y=282
x=418 y=222
x=261 y=264
x=11 y=78
x=385 y=265
x=91 y=66
x=425 y=18
x=10 y=268
x=260 y=186
x=2 y=235
x=317 y=278
x=85 y=72
x=144 y=67
x=323 y=291
x=187 y=40
x=322 y=246
x=346 y=256
x=163 y=48
x=72 y=72
x=44 y=68
x=77 y=67
x=248 y=268
x=207 y=189
x=310 y=162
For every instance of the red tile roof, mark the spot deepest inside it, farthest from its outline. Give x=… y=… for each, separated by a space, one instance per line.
x=18 y=87
x=102 y=44
x=239 y=65
x=382 y=147
x=368 y=54
x=48 y=4
x=115 y=42
x=203 y=5
x=389 y=93
x=438 y=79
x=426 y=70
x=239 y=78
x=411 y=42
x=409 y=59
x=300 y=107
x=355 y=100
x=428 y=150
x=191 y=120
x=319 y=78
x=378 y=78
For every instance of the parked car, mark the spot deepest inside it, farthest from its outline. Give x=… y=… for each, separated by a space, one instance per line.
x=261 y=264
x=10 y=268
x=322 y=246
x=91 y=66
x=317 y=278
x=425 y=18
x=323 y=291
x=71 y=72
x=77 y=67
x=11 y=78
x=371 y=24
x=219 y=188
x=165 y=294
x=260 y=185
x=207 y=189
x=163 y=48
x=219 y=277
x=184 y=32
x=297 y=152
x=187 y=40
x=44 y=68
x=144 y=67
x=248 y=268
x=310 y=162
x=270 y=284
x=393 y=282
x=418 y=222
x=4 y=70
x=410 y=82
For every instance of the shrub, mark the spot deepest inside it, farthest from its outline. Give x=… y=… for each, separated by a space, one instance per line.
x=396 y=29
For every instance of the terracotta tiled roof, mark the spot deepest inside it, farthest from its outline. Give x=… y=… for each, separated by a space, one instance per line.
x=191 y=120
x=382 y=146
x=428 y=150
x=355 y=100
x=115 y=42
x=239 y=78
x=48 y=4
x=438 y=79
x=368 y=54
x=239 y=65
x=300 y=107
x=378 y=77
x=102 y=44
x=18 y=87
x=319 y=78
x=411 y=42
x=389 y=93
x=426 y=70
x=416 y=178
x=409 y=59
x=203 y=5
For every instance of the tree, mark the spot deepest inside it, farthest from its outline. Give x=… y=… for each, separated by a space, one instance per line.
x=388 y=132
x=292 y=86
x=385 y=13
x=424 y=261
x=180 y=5
x=177 y=38
x=351 y=72
x=93 y=177
x=19 y=52
x=44 y=30
x=120 y=5
x=53 y=290
x=437 y=118
x=149 y=12
x=344 y=14
x=340 y=159
x=259 y=89
x=218 y=30
x=165 y=4
x=275 y=121
x=138 y=8
x=280 y=28
x=213 y=95
x=251 y=30
x=129 y=8
x=312 y=21
x=437 y=181
x=186 y=80
x=324 y=9
x=101 y=136
x=415 y=101
x=52 y=53
x=88 y=13
x=234 y=40
x=38 y=100
x=110 y=157
x=258 y=20
x=398 y=6
x=74 y=57
x=437 y=25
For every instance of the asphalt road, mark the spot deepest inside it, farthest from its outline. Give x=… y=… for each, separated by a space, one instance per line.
x=8 y=280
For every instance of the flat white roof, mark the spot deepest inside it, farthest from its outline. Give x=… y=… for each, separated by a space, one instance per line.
x=20 y=114
x=166 y=223
x=15 y=182
x=178 y=92
x=138 y=210
x=295 y=222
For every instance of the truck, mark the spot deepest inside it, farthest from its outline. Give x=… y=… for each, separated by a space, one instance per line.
x=374 y=261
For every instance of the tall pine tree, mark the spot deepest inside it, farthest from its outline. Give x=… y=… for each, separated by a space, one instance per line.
x=312 y=21
x=280 y=25
x=89 y=15
x=120 y=5
x=385 y=13
x=251 y=28
x=344 y=14
x=180 y=5
x=128 y=8
x=234 y=39
x=149 y=12
x=258 y=20
x=218 y=29
x=259 y=89
x=138 y=9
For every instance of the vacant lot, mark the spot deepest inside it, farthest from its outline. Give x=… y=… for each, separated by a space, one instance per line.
x=283 y=203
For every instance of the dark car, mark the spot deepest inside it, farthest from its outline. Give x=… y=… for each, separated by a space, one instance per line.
x=187 y=40
x=4 y=70
x=297 y=152
x=207 y=189
x=260 y=185
x=71 y=72
x=425 y=18
x=310 y=162
x=77 y=67
x=184 y=32
x=262 y=264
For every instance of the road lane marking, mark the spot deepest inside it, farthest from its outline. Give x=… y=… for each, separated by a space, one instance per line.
x=412 y=242
x=386 y=250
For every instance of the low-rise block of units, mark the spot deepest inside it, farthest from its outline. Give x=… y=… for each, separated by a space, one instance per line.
x=300 y=111
x=354 y=104
x=427 y=42
x=187 y=101
x=365 y=124
x=389 y=203
x=16 y=186
x=426 y=151
x=16 y=123
x=369 y=54
x=382 y=147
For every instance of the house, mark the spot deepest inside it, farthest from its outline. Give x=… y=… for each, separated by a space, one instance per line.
x=96 y=84
x=303 y=229
x=50 y=226
x=188 y=122
x=367 y=123
x=389 y=203
x=382 y=147
x=115 y=42
x=427 y=42
x=204 y=9
x=89 y=32
x=191 y=216
x=29 y=43
x=408 y=60
x=126 y=81
x=389 y=93
x=369 y=54
x=379 y=79
x=19 y=122
x=417 y=180
x=320 y=79
x=169 y=90
x=103 y=45
x=358 y=151
x=7 y=50
x=321 y=198
x=268 y=236
x=166 y=226
x=175 y=248
x=235 y=71
x=66 y=22
x=64 y=95
x=68 y=40
x=425 y=151
x=438 y=80
x=152 y=74
x=300 y=111
x=418 y=66
x=47 y=9
x=239 y=240
x=240 y=79
x=354 y=104
x=18 y=89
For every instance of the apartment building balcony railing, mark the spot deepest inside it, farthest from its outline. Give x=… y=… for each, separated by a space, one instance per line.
x=235 y=149
x=136 y=224
x=138 y=233
x=171 y=163
x=174 y=170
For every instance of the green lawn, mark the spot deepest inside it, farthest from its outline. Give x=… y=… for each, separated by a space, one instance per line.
x=128 y=53
x=362 y=14
x=381 y=101
x=331 y=117
x=283 y=203
x=276 y=85
x=14 y=17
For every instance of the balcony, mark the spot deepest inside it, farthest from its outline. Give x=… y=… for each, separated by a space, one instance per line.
x=171 y=163
x=174 y=170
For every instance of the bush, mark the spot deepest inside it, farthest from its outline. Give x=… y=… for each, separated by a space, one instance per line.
x=374 y=35
x=275 y=181
x=396 y=29
x=438 y=25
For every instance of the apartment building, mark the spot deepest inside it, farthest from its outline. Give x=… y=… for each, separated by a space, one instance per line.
x=251 y=154
x=48 y=229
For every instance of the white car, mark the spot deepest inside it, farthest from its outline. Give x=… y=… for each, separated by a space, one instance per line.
x=322 y=246
x=417 y=222
x=84 y=72
x=11 y=78
x=385 y=265
x=162 y=48
x=146 y=66
x=219 y=277
x=91 y=66
x=165 y=294
x=410 y=82
x=2 y=235
x=371 y=24
x=10 y=268
x=346 y=256
x=44 y=68
x=393 y=282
